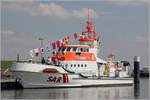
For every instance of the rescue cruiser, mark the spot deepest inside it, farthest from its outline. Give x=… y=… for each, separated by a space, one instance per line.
x=74 y=66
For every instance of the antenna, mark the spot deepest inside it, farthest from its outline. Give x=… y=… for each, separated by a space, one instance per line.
x=89 y=24
x=82 y=22
x=88 y=14
x=89 y=30
x=94 y=30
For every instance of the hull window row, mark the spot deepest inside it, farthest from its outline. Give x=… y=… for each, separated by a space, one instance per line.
x=76 y=65
x=73 y=49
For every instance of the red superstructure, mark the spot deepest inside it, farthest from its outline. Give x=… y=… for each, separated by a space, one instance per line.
x=78 y=52
x=89 y=35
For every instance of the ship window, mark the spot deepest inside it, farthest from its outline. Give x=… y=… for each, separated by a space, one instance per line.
x=74 y=65
x=78 y=50
x=84 y=49
x=81 y=65
x=71 y=65
x=68 y=49
x=81 y=49
x=78 y=65
x=85 y=65
x=74 y=49
x=87 y=49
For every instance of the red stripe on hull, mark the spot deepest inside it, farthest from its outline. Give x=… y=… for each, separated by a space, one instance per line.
x=65 y=78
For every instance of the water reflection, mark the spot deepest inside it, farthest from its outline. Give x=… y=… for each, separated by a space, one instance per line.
x=94 y=93
x=136 y=91
x=76 y=93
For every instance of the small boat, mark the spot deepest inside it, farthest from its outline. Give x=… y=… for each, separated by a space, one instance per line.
x=74 y=65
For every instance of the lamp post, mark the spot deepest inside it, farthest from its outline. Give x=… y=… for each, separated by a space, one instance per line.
x=41 y=39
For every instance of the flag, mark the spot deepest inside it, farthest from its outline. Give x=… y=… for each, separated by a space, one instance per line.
x=42 y=50
x=36 y=51
x=61 y=43
x=47 y=48
x=58 y=43
x=94 y=35
x=53 y=45
x=66 y=39
x=32 y=53
x=75 y=35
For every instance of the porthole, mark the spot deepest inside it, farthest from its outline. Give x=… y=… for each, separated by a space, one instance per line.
x=85 y=65
x=71 y=65
x=78 y=65
x=74 y=65
x=81 y=65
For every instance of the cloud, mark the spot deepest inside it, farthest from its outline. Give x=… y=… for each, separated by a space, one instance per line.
x=51 y=9
x=47 y=9
x=141 y=39
x=83 y=12
x=16 y=42
x=128 y=2
x=13 y=42
x=8 y=32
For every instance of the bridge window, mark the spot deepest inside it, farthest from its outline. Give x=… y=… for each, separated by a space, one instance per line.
x=74 y=49
x=63 y=49
x=81 y=49
x=87 y=49
x=78 y=50
x=68 y=49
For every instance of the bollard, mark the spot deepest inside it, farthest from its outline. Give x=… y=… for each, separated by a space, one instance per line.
x=136 y=69
x=17 y=57
x=136 y=91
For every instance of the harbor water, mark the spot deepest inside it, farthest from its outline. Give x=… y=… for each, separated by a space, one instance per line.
x=91 y=93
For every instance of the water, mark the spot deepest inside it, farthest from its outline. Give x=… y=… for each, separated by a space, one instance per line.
x=92 y=93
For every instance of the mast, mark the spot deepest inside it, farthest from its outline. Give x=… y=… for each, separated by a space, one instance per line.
x=89 y=34
x=82 y=26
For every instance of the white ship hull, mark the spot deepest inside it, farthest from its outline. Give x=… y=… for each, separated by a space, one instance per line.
x=30 y=78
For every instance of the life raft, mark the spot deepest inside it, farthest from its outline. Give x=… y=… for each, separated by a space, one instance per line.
x=50 y=70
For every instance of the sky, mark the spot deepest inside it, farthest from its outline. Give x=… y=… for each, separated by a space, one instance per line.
x=122 y=25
